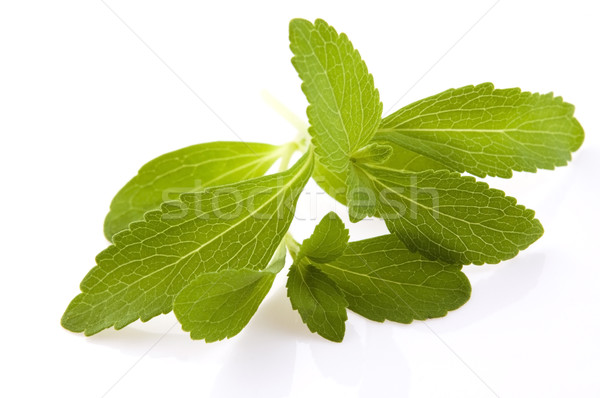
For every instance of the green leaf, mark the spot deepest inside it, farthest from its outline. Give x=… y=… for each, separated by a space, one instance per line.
x=344 y=108
x=372 y=153
x=230 y=227
x=360 y=195
x=317 y=299
x=408 y=161
x=335 y=183
x=382 y=279
x=451 y=217
x=327 y=242
x=218 y=305
x=186 y=170
x=487 y=131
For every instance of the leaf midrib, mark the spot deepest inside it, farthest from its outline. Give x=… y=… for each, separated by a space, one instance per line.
x=384 y=280
x=183 y=166
x=174 y=264
x=331 y=91
x=377 y=180
x=455 y=129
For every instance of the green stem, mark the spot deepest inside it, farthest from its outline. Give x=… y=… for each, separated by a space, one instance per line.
x=287 y=152
x=301 y=143
x=302 y=140
x=284 y=111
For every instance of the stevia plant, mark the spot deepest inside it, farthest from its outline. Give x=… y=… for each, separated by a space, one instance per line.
x=211 y=255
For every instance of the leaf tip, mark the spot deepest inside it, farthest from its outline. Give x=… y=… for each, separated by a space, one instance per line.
x=74 y=319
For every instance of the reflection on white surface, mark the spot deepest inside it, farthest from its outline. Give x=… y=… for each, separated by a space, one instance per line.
x=263 y=358
x=494 y=287
x=261 y=361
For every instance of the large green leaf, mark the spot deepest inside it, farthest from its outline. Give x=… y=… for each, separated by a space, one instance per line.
x=344 y=108
x=218 y=305
x=487 y=131
x=317 y=299
x=189 y=169
x=381 y=279
x=231 y=227
x=451 y=217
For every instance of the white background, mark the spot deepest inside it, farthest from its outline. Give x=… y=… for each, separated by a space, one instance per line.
x=85 y=101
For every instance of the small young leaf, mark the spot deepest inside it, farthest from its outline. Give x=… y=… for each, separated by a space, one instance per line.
x=360 y=195
x=451 y=217
x=382 y=279
x=344 y=108
x=372 y=153
x=327 y=242
x=316 y=298
x=319 y=301
x=218 y=305
x=335 y=183
x=231 y=227
x=189 y=169
x=408 y=161
x=487 y=131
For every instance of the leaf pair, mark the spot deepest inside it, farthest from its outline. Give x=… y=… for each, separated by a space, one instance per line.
x=378 y=278
x=399 y=167
x=232 y=227
x=317 y=298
